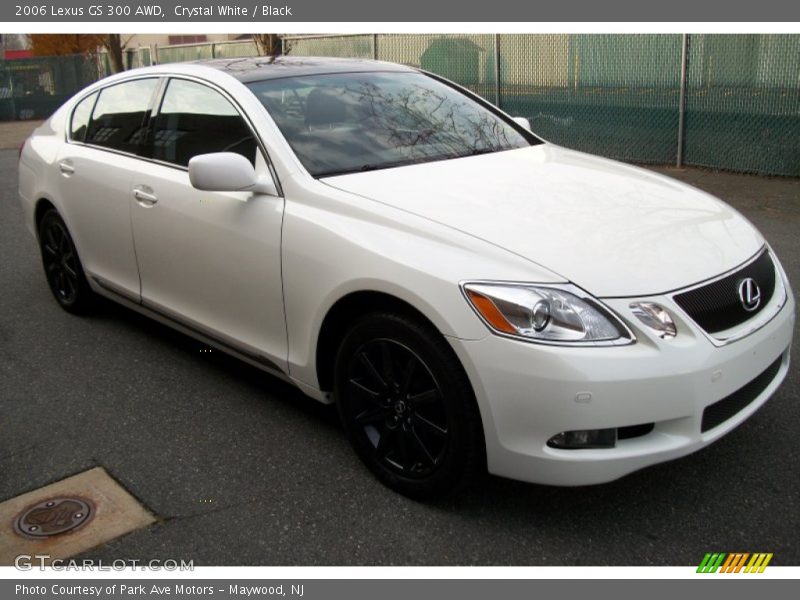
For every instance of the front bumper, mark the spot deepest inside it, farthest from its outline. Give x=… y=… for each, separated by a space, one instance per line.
x=527 y=393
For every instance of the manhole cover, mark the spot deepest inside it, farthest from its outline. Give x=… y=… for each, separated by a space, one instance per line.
x=53 y=516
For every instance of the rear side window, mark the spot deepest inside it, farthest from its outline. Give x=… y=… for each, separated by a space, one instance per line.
x=195 y=119
x=118 y=118
x=80 y=118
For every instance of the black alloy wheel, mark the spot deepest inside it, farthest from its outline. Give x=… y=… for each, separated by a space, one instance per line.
x=62 y=266
x=399 y=406
x=407 y=406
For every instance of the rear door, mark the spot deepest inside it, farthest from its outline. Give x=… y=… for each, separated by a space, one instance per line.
x=209 y=260
x=96 y=168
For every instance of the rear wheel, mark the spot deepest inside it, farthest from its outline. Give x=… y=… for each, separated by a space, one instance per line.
x=62 y=267
x=407 y=406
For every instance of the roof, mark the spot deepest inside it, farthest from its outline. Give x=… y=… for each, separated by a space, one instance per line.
x=266 y=67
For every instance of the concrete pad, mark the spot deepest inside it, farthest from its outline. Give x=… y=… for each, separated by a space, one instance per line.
x=116 y=513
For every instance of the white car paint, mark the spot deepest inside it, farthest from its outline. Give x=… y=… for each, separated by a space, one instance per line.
x=572 y=211
x=256 y=275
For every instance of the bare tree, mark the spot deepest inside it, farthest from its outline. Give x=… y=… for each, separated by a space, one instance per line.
x=268 y=44
x=114 y=45
x=112 y=42
x=57 y=44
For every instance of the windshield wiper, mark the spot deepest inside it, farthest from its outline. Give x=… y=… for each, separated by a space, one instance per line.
x=402 y=163
x=361 y=169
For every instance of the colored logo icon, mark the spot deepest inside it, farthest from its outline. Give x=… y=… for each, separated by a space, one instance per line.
x=734 y=562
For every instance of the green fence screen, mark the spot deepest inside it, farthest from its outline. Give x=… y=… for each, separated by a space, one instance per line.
x=743 y=103
x=620 y=95
x=614 y=95
x=32 y=88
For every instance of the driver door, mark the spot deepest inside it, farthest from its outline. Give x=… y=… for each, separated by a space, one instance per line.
x=208 y=260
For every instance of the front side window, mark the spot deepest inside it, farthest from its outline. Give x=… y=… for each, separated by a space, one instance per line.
x=348 y=122
x=80 y=118
x=195 y=119
x=119 y=116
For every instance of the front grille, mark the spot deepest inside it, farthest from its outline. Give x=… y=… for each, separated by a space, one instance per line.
x=717 y=306
x=719 y=412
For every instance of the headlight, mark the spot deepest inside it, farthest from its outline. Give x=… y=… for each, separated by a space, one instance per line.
x=545 y=314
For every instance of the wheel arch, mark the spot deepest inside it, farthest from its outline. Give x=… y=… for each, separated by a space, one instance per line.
x=43 y=204
x=343 y=314
x=462 y=406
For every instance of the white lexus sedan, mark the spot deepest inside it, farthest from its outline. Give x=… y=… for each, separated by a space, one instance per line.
x=470 y=296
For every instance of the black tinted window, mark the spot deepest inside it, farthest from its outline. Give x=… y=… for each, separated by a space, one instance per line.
x=118 y=117
x=80 y=118
x=195 y=119
x=341 y=123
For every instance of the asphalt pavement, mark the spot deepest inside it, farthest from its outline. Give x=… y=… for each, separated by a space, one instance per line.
x=241 y=469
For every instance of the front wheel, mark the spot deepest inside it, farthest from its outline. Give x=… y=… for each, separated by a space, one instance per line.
x=407 y=406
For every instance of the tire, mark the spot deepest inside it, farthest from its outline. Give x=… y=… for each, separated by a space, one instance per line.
x=62 y=267
x=407 y=406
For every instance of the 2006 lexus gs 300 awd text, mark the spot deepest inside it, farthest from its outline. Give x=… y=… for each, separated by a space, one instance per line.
x=470 y=296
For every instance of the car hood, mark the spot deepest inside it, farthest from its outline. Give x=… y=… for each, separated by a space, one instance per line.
x=613 y=229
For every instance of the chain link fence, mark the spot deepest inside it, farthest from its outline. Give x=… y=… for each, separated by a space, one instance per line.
x=621 y=96
x=615 y=95
x=145 y=56
x=32 y=88
x=340 y=46
x=721 y=101
x=743 y=103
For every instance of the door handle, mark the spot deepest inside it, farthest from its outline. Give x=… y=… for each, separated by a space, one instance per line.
x=65 y=166
x=145 y=196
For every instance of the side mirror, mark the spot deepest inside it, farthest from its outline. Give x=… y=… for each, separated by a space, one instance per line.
x=523 y=122
x=228 y=172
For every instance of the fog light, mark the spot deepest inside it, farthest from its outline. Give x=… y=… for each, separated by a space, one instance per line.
x=587 y=438
x=656 y=318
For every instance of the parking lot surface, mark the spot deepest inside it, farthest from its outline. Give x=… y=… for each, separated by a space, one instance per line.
x=241 y=469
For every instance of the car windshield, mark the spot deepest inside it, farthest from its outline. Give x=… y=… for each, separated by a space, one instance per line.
x=349 y=122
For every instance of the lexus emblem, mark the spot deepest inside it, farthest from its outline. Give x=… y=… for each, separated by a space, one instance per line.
x=749 y=294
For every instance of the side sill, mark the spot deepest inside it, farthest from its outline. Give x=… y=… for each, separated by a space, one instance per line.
x=129 y=301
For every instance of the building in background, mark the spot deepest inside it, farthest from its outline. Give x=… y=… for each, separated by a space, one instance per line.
x=15 y=45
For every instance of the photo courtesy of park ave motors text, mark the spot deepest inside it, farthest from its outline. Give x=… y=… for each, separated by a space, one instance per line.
x=485 y=294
